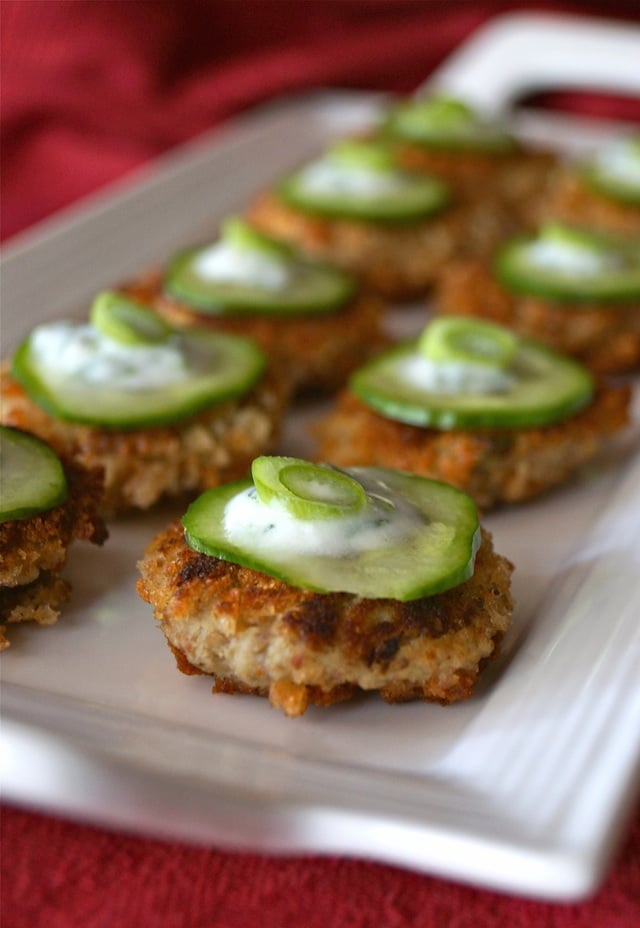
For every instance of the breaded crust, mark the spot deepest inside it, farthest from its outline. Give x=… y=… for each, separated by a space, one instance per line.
x=143 y=466
x=397 y=260
x=257 y=634
x=313 y=352
x=494 y=466
x=35 y=550
x=507 y=183
x=567 y=198
x=604 y=337
x=40 y=601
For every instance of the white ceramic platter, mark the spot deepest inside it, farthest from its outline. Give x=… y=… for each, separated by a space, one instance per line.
x=525 y=788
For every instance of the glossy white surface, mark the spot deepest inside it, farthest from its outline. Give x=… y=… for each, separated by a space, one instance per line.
x=524 y=788
x=525 y=52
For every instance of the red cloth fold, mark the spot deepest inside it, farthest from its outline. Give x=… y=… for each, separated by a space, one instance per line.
x=91 y=90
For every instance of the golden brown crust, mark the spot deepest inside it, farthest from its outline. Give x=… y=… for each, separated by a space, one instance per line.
x=606 y=338
x=40 y=601
x=508 y=182
x=41 y=542
x=143 y=466
x=313 y=352
x=568 y=198
x=468 y=170
x=256 y=633
x=34 y=551
x=398 y=261
x=292 y=698
x=494 y=466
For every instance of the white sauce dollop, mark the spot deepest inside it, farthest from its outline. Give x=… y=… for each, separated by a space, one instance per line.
x=79 y=351
x=451 y=378
x=272 y=530
x=619 y=162
x=569 y=258
x=328 y=178
x=225 y=262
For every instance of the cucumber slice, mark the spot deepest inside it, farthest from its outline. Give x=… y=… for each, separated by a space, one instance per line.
x=127 y=387
x=312 y=288
x=32 y=479
x=447 y=123
x=308 y=491
x=543 y=387
x=615 y=171
x=414 y=537
x=574 y=265
x=127 y=321
x=358 y=180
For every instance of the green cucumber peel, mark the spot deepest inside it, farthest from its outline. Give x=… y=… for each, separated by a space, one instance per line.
x=127 y=321
x=433 y=549
x=308 y=491
x=545 y=388
x=518 y=269
x=219 y=367
x=32 y=479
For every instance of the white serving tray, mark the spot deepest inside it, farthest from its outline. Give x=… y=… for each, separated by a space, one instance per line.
x=525 y=788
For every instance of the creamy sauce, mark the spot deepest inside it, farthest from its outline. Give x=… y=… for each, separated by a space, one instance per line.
x=453 y=378
x=273 y=531
x=620 y=162
x=80 y=352
x=569 y=258
x=227 y=263
x=328 y=178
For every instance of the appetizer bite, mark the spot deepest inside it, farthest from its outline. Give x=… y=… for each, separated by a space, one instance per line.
x=45 y=505
x=601 y=192
x=164 y=412
x=308 y=584
x=313 y=321
x=576 y=290
x=500 y=416
x=496 y=176
x=354 y=207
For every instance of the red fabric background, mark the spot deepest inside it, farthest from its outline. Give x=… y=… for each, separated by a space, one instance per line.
x=91 y=90
x=67 y=876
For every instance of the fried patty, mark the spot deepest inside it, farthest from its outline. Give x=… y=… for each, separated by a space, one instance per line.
x=314 y=352
x=604 y=337
x=143 y=466
x=494 y=466
x=567 y=198
x=256 y=634
x=507 y=184
x=396 y=260
x=34 y=551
